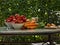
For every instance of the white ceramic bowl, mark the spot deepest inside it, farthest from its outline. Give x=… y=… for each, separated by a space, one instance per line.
x=17 y=26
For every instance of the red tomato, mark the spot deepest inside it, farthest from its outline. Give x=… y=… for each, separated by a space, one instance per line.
x=11 y=16
x=14 y=20
x=24 y=19
x=8 y=20
x=22 y=16
x=21 y=21
x=17 y=15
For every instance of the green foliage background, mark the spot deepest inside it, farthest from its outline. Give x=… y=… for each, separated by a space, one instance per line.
x=40 y=8
x=30 y=8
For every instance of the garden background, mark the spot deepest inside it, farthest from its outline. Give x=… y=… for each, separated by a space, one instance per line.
x=30 y=8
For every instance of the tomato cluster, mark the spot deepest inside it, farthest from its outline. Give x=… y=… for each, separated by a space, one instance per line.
x=16 y=18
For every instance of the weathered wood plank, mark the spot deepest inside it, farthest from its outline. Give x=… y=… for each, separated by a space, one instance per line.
x=32 y=31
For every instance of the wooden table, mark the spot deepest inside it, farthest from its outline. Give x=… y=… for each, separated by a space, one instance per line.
x=49 y=32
